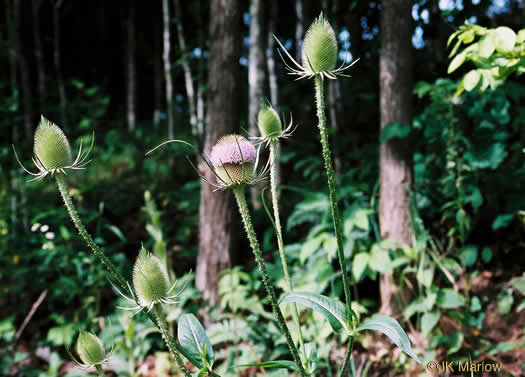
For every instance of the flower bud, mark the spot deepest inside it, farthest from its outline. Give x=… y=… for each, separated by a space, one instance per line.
x=150 y=279
x=319 y=47
x=233 y=158
x=90 y=349
x=269 y=122
x=51 y=146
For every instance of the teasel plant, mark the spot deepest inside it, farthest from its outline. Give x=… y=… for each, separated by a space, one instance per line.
x=234 y=161
x=53 y=157
x=91 y=352
x=271 y=130
x=319 y=59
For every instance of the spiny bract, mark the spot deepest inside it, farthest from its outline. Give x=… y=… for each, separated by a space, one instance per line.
x=51 y=146
x=150 y=279
x=90 y=349
x=320 y=47
x=269 y=122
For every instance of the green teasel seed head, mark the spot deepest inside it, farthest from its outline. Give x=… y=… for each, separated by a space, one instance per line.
x=90 y=349
x=150 y=279
x=269 y=122
x=51 y=146
x=319 y=47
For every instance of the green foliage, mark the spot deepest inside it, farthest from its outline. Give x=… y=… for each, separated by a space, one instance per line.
x=496 y=53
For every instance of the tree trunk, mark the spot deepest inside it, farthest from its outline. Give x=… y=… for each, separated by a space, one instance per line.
x=299 y=28
x=157 y=77
x=216 y=233
x=188 y=78
x=270 y=56
x=395 y=77
x=130 y=69
x=58 y=67
x=27 y=96
x=167 y=68
x=256 y=80
x=39 y=54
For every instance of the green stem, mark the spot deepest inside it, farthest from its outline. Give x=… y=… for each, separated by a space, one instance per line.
x=274 y=171
x=348 y=356
x=100 y=371
x=170 y=342
x=123 y=285
x=319 y=98
x=240 y=196
x=62 y=187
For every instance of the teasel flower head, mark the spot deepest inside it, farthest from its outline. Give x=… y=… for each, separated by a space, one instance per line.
x=151 y=284
x=234 y=160
x=319 y=54
x=52 y=152
x=271 y=127
x=90 y=350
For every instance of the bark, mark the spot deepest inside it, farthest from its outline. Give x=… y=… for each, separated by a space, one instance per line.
x=23 y=68
x=11 y=54
x=395 y=77
x=130 y=69
x=256 y=79
x=58 y=67
x=299 y=28
x=167 y=68
x=39 y=54
x=157 y=77
x=270 y=56
x=188 y=77
x=215 y=253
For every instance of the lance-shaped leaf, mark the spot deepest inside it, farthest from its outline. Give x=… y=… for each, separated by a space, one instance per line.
x=391 y=328
x=276 y=364
x=333 y=310
x=194 y=341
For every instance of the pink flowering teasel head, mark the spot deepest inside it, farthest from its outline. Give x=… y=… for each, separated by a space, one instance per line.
x=234 y=160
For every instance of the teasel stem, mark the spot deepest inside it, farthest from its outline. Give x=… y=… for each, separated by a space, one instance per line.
x=100 y=371
x=240 y=196
x=170 y=342
x=274 y=167
x=327 y=155
x=62 y=187
x=117 y=276
x=348 y=356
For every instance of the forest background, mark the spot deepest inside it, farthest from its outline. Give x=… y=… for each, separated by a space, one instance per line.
x=438 y=246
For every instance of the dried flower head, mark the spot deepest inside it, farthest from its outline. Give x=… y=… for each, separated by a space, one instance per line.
x=52 y=151
x=319 y=54
x=271 y=127
x=90 y=350
x=233 y=159
x=150 y=284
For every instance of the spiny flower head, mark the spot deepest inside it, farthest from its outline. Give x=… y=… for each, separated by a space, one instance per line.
x=51 y=146
x=150 y=279
x=90 y=350
x=269 y=122
x=233 y=158
x=320 y=47
x=271 y=127
x=319 y=54
x=52 y=151
x=151 y=284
